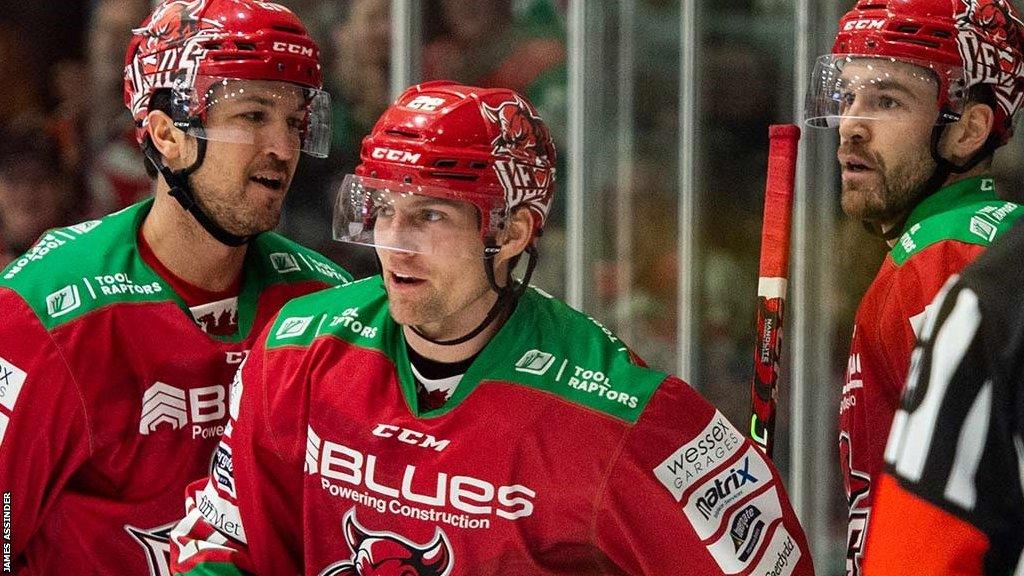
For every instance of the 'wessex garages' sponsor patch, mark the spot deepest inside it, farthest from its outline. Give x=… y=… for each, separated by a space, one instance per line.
x=709 y=501
x=692 y=461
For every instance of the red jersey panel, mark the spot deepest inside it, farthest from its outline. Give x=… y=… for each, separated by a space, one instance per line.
x=554 y=455
x=117 y=397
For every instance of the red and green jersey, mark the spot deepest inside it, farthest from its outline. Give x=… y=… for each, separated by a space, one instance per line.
x=943 y=234
x=112 y=396
x=555 y=454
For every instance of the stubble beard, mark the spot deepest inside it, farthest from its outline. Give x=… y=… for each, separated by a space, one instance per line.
x=894 y=194
x=433 y=310
x=236 y=211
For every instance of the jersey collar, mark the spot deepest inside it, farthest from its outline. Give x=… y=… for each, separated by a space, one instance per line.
x=962 y=193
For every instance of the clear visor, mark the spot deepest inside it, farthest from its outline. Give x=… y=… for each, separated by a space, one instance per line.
x=879 y=88
x=401 y=217
x=264 y=113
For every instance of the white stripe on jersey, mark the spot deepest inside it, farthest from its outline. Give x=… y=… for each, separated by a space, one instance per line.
x=960 y=488
x=951 y=344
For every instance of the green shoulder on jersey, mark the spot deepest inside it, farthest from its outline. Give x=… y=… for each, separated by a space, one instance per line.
x=78 y=269
x=967 y=211
x=545 y=345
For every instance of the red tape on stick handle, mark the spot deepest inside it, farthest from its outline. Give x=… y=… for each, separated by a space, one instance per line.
x=784 y=140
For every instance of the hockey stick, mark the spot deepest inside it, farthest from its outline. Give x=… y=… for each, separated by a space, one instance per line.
x=771 y=284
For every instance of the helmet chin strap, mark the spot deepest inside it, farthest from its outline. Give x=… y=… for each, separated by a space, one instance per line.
x=943 y=169
x=508 y=295
x=181 y=190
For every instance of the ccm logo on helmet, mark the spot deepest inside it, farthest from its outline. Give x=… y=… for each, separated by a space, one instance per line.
x=293 y=49
x=395 y=155
x=864 y=25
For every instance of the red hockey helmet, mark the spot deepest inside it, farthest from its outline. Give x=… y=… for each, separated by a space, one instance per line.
x=484 y=146
x=209 y=52
x=957 y=44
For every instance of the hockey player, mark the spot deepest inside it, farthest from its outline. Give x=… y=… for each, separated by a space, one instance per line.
x=120 y=336
x=950 y=501
x=444 y=418
x=923 y=92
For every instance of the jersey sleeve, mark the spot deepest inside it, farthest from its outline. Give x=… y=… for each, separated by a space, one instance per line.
x=950 y=501
x=687 y=494
x=44 y=432
x=245 y=517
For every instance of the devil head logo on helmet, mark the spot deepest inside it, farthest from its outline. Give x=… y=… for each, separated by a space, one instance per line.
x=994 y=20
x=171 y=23
x=522 y=135
x=523 y=138
x=990 y=45
x=388 y=554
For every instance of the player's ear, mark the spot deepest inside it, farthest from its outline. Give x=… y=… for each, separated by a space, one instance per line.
x=176 y=148
x=517 y=235
x=969 y=134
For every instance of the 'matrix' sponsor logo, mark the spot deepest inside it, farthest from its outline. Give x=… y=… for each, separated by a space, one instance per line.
x=738 y=478
x=715 y=444
x=707 y=504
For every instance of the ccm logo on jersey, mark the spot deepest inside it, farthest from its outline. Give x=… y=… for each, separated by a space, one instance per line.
x=411 y=437
x=864 y=25
x=718 y=442
x=395 y=155
x=165 y=404
x=293 y=49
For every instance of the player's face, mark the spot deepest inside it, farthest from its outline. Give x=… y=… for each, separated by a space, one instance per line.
x=885 y=137
x=439 y=289
x=243 y=180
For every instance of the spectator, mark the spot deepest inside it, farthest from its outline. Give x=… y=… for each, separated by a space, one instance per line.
x=35 y=194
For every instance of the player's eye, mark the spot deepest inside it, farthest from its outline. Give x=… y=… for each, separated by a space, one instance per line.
x=428 y=215
x=888 y=103
x=254 y=117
